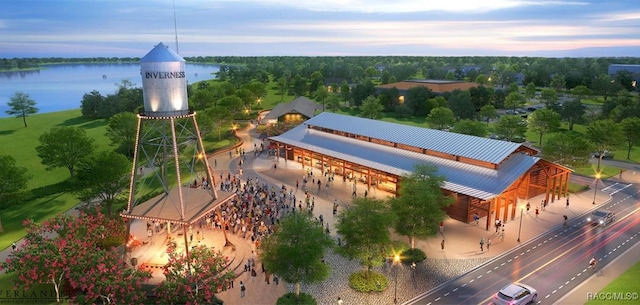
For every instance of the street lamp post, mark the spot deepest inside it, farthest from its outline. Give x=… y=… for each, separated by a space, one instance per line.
x=396 y=260
x=520 y=228
x=595 y=189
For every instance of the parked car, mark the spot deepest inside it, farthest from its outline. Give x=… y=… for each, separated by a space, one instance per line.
x=515 y=294
x=601 y=217
x=605 y=154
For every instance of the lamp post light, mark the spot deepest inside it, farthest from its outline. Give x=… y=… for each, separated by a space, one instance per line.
x=520 y=228
x=396 y=260
x=595 y=189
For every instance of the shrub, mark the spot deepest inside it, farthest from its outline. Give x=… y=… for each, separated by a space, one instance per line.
x=412 y=255
x=375 y=283
x=290 y=299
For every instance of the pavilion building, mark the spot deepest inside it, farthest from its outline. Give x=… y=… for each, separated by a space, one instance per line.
x=485 y=176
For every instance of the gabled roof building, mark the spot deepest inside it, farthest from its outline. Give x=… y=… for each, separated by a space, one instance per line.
x=485 y=176
x=300 y=109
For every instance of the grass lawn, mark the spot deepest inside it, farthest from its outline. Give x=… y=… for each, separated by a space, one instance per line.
x=20 y=142
x=625 y=283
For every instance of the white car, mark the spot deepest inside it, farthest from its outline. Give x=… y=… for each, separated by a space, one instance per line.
x=515 y=294
x=601 y=217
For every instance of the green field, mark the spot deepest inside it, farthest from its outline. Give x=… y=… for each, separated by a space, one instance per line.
x=625 y=286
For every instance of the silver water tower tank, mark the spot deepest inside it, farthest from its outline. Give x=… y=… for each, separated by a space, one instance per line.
x=164 y=83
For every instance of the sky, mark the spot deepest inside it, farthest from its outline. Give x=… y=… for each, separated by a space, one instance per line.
x=130 y=28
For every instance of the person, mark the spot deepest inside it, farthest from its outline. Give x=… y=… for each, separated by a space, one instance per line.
x=488 y=243
x=593 y=262
x=567 y=202
x=565 y=220
x=482 y=244
x=537 y=212
x=476 y=218
x=242 y=289
x=340 y=301
x=528 y=206
x=498 y=224
x=442 y=244
x=442 y=227
x=14 y=246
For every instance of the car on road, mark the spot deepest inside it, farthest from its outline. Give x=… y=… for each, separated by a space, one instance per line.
x=605 y=154
x=515 y=294
x=601 y=217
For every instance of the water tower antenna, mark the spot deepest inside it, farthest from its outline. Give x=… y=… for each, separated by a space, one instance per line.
x=175 y=25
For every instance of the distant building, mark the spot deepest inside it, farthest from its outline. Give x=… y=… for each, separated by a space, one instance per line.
x=633 y=69
x=298 y=110
x=438 y=87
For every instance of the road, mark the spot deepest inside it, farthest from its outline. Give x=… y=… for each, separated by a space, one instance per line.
x=554 y=264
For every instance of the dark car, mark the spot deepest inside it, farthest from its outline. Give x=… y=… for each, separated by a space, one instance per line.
x=605 y=154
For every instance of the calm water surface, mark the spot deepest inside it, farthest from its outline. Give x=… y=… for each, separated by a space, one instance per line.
x=61 y=87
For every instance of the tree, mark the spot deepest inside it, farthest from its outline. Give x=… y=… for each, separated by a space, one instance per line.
x=122 y=131
x=420 y=203
x=558 y=82
x=510 y=127
x=460 y=104
x=567 y=148
x=416 y=99
x=321 y=94
x=530 y=91
x=572 y=112
x=91 y=104
x=605 y=135
x=441 y=118
x=470 y=127
x=543 y=121
x=333 y=102
x=488 y=112
x=371 y=108
x=295 y=251
x=194 y=279
x=64 y=147
x=514 y=100
x=21 y=106
x=103 y=175
x=631 y=132
x=218 y=117
x=581 y=91
x=365 y=231
x=13 y=180
x=76 y=249
x=550 y=99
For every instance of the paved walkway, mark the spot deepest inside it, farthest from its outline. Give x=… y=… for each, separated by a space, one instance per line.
x=461 y=253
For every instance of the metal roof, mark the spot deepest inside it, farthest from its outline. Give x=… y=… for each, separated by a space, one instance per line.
x=301 y=105
x=161 y=53
x=478 y=148
x=472 y=180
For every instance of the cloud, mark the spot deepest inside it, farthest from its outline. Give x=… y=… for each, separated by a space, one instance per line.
x=410 y=6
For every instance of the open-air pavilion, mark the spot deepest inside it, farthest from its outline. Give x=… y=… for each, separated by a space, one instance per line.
x=485 y=176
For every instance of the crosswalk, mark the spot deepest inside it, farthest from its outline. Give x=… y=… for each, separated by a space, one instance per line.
x=616 y=187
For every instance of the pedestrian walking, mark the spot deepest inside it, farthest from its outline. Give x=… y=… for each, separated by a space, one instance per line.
x=276 y=279
x=565 y=220
x=476 y=218
x=567 y=202
x=488 y=244
x=242 y=288
x=482 y=244
x=14 y=246
x=340 y=302
x=442 y=244
x=498 y=224
x=442 y=227
x=537 y=212
x=528 y=206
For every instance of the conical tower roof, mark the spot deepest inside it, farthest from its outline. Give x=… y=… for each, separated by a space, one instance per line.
x=161 y=53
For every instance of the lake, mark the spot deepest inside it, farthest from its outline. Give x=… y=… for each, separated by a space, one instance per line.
x=61 y=87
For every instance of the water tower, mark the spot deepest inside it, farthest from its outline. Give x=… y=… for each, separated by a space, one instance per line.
x=171 y=180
